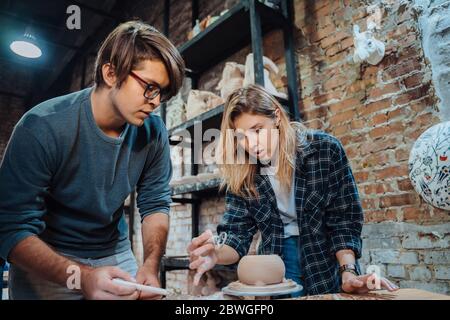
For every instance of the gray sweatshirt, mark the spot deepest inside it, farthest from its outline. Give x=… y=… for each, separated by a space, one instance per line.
x=65 y=181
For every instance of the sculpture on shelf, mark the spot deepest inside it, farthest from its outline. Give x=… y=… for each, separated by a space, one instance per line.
x=202 y=25
x=176 y=111
x=270 y=68
x=232 y=78
x=429 y=165
x=201 y=101
x=367 y=48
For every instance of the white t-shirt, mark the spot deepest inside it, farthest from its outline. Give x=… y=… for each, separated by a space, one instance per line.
x=285 y=202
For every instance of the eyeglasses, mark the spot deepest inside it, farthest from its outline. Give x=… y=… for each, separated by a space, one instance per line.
x=151 y=90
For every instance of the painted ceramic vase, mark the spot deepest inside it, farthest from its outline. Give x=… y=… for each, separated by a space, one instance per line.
x=429 y=165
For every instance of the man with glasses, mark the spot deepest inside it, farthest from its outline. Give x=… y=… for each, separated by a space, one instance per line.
x=73 y=160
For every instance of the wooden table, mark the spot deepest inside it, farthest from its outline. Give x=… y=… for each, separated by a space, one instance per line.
x=401 y=294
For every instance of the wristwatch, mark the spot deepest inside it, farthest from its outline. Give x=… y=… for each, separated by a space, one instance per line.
x=349 y=268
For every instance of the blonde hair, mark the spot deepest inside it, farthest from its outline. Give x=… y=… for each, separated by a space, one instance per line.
x=239 y=177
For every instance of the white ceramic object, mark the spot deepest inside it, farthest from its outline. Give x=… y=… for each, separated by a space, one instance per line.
x=232 y=78
x=367 y=48
x=429 y=165
x=201 y=101
x=269 y=68
x=176 y=111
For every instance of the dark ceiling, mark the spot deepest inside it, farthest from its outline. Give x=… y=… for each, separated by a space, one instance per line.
x=38 y=79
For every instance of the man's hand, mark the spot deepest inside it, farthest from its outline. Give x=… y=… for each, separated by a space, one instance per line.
x=147 y=277
x=352 y=283
x=97 y=284
x=202 y=254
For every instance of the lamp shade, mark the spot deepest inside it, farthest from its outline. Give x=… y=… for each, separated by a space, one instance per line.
x=26 y=47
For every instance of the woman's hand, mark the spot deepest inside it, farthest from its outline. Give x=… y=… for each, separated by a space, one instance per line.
x=202 y=254
x=352 y=283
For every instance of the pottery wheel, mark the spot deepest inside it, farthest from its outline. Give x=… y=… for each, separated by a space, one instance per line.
x=240 y=289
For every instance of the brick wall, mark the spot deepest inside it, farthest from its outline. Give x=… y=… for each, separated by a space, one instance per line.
x=377 y=112
x=12 y=106
x=11 y=110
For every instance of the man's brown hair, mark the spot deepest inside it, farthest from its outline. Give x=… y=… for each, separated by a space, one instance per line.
x=132 y=42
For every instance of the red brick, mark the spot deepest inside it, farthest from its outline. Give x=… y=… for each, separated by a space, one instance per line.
x=342 y=117
x=405 y=185
x=420 y=105
x=333 y=38
x=315 y=124
x=351 y=138
x=412 y=94
x=402 y=154
x=360 y=85
x=376 y=106
x=397 y=71
x=391 y=172
x=413 y=80
x=361 y=176
x=412 y=213
x=373 y=216
x=320 y=112
x=324 y=98
x=313 y=6
x=375 y=160
x=408 y=40
x=324 y=21
x=369 y=203
x=379 y=188
x=352 y=152
x=389 y=143
x=340 y=130
x=344 y=105
x=387 y=89
x=379 y=119
x=322 y=33
x=334 y=82
x=398 y=200
x=390 y=129
x=346 y=43
x=370 y=72
x=401 y=111
x=358 y=124
x=425 y=120
x=331 y=51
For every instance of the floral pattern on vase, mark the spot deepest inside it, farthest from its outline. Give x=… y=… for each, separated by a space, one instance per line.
x=429 y=165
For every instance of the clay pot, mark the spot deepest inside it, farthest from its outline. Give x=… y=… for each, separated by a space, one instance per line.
x=261 y=270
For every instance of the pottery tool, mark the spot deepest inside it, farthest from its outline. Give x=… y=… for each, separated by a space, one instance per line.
x=218 y=241
x=141 y=287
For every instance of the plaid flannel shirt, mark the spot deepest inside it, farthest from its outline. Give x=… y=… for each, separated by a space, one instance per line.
x=329 y=214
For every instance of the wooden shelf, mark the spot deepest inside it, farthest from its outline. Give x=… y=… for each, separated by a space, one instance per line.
x=182 y=262
x=209 y=119
x=229 y=33
x=196 y=187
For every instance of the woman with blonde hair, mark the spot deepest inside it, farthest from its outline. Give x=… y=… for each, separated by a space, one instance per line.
x=293 y=185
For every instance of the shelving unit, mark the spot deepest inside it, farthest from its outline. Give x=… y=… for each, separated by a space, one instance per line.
x=241 y=25
x=182 y=263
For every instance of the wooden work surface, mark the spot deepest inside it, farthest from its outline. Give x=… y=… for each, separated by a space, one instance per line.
x=401 y=294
